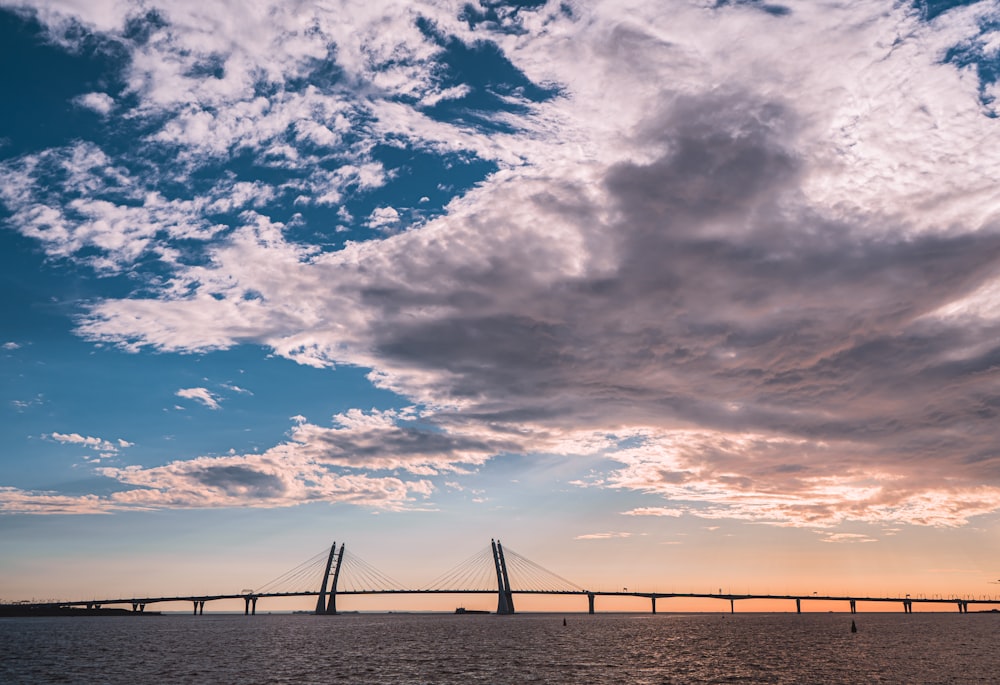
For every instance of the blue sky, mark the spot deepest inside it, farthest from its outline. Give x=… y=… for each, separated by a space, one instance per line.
x=635 y=281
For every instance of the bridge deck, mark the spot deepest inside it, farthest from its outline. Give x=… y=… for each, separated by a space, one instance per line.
x=583 y=593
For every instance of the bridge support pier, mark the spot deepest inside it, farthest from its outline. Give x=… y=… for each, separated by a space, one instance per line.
x=138 y=607
x=732 y=606
x=653 y=599
x=251 y=606
x=798 y=605
x=854 y=607
x=199 y=607
x=963 y=607
x=907 y=606
x=590 y=602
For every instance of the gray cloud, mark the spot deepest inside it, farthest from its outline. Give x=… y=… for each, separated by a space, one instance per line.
x=377 y=441
x=735 y=306
x=238 y=480
x=725 y=289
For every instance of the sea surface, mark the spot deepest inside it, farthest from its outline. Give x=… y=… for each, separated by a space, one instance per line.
x=524 y=648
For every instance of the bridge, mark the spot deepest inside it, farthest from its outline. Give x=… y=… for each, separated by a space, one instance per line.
x=488 y=572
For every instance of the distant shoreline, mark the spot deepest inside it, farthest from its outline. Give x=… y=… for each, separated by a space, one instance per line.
x=15 y=611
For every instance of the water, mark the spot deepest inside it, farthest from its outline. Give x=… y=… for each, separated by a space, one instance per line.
x=526 y=648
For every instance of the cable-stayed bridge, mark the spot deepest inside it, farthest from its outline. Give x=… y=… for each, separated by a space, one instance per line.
x=493 y=570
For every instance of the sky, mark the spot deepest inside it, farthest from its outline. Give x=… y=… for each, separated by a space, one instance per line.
x=686 y=295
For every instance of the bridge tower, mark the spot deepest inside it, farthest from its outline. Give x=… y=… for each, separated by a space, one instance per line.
x=321 y=599
x=323 y=605
x=505 y=604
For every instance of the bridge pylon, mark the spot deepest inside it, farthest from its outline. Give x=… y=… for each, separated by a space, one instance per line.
x=505 y=603
x=326 y=602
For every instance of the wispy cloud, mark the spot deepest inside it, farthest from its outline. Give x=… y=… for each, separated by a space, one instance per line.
x=202 y=395
x=847 y=538
x=22 y=405
x=603 y=536
x=237 y=389
x=655 y=511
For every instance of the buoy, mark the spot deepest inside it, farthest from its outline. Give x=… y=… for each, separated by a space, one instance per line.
x=854 y=627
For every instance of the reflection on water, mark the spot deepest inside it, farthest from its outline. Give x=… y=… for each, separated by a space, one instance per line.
x=527 y=648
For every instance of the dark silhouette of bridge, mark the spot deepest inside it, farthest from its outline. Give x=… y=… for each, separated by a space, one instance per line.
x=488 y=572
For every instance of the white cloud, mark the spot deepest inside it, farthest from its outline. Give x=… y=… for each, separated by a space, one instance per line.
x=106 y=448
x=382 y=217
x=120 y=228
x=202 y=395
x=102 y=103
